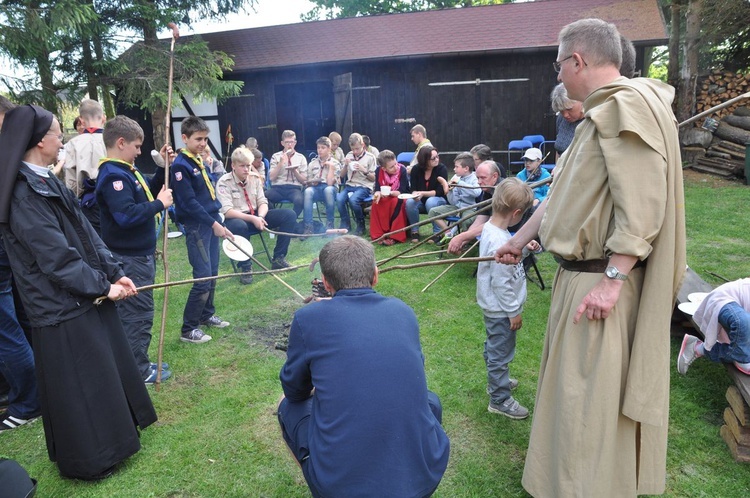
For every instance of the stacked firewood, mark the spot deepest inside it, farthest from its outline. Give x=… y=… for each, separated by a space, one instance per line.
x=723 y=153
x=718 y=87
x=736 y=428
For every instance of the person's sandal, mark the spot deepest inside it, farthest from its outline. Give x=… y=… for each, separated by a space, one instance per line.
x=414 y=237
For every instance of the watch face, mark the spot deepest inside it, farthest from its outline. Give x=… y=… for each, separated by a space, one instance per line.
x=611 y=271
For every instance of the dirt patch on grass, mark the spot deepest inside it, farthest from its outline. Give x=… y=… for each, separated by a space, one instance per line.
x=274 y=336
x=694 y=177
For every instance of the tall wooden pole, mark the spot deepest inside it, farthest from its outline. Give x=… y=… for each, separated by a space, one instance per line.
x=165 y=231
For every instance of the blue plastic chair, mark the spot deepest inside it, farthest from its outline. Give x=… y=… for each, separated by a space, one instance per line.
x=517 y=147
x=536 y=140
x=405 y=158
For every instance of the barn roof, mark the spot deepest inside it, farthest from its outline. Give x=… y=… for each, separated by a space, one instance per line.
x=463 y=31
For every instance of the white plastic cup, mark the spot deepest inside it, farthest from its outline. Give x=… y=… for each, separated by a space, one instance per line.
x=385 y=190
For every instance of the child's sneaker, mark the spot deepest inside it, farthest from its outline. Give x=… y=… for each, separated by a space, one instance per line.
x=687 y=353
x=8 y=422
x=215 y=321
x=151 y=379
x=743 y=367
x=510 y=408
x=196 y=336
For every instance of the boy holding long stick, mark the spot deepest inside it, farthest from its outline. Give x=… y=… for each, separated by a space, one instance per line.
x=197 y=208
x=127 y=210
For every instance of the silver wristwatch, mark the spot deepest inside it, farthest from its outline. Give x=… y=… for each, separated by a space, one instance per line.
x=613 y=273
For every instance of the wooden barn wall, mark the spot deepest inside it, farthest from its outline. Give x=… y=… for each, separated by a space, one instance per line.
x=456 y=117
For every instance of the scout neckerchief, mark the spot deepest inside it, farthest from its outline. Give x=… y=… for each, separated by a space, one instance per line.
x=139 y=178
x=242 y=185
x=93 y=130
x=197 y=160
x=357 y=160
x=320 y=161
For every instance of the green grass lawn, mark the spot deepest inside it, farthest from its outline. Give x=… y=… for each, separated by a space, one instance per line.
x=217 y=434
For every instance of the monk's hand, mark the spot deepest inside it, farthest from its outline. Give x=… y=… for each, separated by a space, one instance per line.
x=508 y=254
x=598 y=303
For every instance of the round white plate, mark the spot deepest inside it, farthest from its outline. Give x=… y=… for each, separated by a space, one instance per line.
x=174 y=235
x=406 y=196
x=233 y=253
x=688 y=308
x=697 y=297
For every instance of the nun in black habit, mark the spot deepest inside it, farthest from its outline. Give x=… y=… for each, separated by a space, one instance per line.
x=92 y=396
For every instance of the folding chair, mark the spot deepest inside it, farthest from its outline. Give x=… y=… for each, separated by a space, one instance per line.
x=405 y=158
x=548 y=149
x=254 y=231
x=536 y=140
x=530 y=262
x=517 y=147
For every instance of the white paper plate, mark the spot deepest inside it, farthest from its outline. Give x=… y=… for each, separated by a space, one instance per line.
x=688 y=308
x=174 y=235
x=697 y=297
x=233 y=253
x=406 y=196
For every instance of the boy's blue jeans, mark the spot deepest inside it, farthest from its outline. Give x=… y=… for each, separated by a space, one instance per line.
x=319 y=193
x=736 y=321
x=203 y=254
x=16 y=357
x=353 y=196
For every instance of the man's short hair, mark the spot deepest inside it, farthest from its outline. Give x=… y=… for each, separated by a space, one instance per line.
x=335 y=137
x=627 y=67
x=91 y=110
x=348 y=262
x=483 y=152
x=193 y=124
x=366 y=140
x=494 y=169
x=466 y=160
x=419 y=129
x=251 y=143
x=385 y=157
x=242 y=155
x=288 y=134
x=559 y=98
x=355 y=139
x=324 y=141
x=511 y=194
x=5 y=105
x=121 y=126
x=256 y=153
x=597 y=41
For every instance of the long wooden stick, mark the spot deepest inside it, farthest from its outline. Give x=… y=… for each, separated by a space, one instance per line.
x=422 y=254
x=450 y=266
x=261 y=265
x=330 y=231
x=412 y=247
x=457 y=211
x=165 y=238
x=437 y=262
x=715 y=108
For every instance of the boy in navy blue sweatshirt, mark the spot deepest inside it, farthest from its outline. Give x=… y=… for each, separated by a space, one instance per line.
x=197 y=209
x=128 y=211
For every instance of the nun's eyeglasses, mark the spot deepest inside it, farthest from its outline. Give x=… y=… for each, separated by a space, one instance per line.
x=60 y=136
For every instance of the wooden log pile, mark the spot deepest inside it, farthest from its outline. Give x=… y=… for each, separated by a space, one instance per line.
x=718 y=87
x=725 y=156
x=736 y=429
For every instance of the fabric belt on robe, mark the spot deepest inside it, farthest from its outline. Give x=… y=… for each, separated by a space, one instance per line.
x=590 y=265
